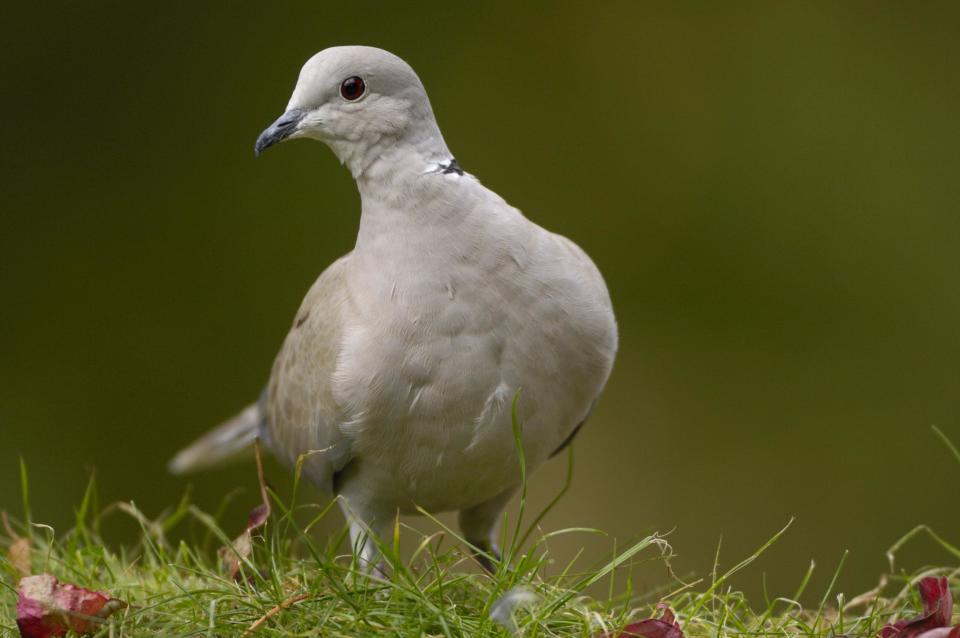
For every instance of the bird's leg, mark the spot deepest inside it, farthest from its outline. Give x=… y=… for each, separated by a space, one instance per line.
x=481 y=528
x=364 y=528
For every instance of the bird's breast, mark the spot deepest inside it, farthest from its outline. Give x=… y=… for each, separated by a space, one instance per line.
x=445 y=328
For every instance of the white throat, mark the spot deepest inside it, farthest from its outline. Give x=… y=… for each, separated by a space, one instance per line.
x=388 y=158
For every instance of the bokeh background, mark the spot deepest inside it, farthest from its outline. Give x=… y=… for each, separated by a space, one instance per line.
x=771 y=190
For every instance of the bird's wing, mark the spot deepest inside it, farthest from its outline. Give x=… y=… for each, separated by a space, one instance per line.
x=595 y=320
x=302 y=417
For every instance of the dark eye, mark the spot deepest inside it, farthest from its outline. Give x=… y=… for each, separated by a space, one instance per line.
x=352 y=88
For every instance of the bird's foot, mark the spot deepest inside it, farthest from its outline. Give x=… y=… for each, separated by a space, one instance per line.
x=487 y=554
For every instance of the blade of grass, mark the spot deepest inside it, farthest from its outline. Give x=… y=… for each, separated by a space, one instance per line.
x=736 y=568
x=947 y=442
x=833 y=583
x=568 y=481
x=25 y=497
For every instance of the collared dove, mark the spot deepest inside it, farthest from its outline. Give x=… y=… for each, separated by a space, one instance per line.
x=401 y=366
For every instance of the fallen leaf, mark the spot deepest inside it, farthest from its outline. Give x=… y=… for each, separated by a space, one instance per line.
x=232 y=556
x=666 y=626
x=937 y=614
x=46 y=607
x=18 y=554
x=937 y=601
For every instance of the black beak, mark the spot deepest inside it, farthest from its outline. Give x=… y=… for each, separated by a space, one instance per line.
x=279 y=130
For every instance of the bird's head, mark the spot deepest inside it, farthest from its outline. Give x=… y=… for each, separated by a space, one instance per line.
x=360 y=101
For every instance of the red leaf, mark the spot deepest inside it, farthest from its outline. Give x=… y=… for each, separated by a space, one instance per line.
x=258 y=516
x=664 y=627
x=891 y=629
x=46 y=607
x=937 y=613
x=937 y=602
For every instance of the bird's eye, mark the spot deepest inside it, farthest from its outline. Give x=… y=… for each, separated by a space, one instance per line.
x=352 y=88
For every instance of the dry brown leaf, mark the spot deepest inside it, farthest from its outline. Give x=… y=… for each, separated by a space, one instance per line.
x=19 y=552
x=19 y=556
x=233 y=556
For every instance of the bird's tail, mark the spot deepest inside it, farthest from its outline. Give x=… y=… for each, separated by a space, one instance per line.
x=224 y=443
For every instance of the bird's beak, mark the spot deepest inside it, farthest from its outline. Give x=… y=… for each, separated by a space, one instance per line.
x=279 y=130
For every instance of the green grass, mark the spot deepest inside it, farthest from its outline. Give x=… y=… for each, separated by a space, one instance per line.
x=300 y=583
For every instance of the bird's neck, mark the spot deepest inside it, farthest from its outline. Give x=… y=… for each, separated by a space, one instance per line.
x=391 y=173
x=377 y=158
x=409 y=198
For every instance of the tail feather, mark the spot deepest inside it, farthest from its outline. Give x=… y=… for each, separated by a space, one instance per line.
x=224 y=443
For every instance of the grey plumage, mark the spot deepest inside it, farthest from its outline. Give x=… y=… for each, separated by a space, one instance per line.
x=400 y=367
x=227 y=442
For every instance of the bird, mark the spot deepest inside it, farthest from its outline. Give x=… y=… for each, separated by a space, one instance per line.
x=412 y=356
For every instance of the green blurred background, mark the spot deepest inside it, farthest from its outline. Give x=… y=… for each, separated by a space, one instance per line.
x=771 y=190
